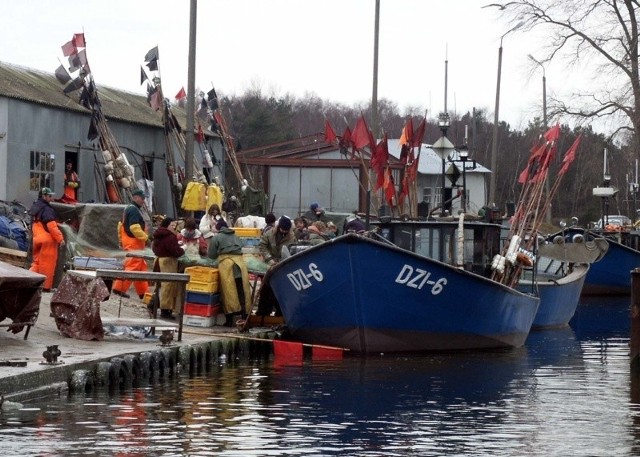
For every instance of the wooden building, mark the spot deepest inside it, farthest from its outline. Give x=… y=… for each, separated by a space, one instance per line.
x=41 y=129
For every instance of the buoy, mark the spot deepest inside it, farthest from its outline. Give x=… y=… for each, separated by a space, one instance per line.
x=112 y=192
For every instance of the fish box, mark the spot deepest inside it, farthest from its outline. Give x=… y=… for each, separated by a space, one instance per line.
x=198 y=286
x=202 y=298
x=202 y=274
x=196 y=309
x=199 y=321
x=249 y=242
x=248 y=232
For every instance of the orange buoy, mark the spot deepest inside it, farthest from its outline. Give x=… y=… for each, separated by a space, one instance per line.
x=112 y=192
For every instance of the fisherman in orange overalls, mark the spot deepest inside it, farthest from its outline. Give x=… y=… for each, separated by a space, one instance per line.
x=46 y=237
x=133 y=237
x=71 y=182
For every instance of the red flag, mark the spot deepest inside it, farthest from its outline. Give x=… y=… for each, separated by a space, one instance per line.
x=182 y=94
x=389 y=187
x=553 y=133
x=345 y=140
x=78 y=40
x=200 y=135
x=406 y=138
x=329 y=134
x=68 y=49
x=360 y=137
x=379 y=160
x=418 y=133
x=537 y=154
x=569 y=156
x=156 y=100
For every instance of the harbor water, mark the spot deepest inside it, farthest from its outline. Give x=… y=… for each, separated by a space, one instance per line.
x=566 y=392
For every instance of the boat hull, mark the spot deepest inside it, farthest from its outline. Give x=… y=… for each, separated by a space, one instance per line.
x=612 y=274
x=559 y=296
x=369 y=297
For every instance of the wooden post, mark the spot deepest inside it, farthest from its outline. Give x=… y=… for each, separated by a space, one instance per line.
x=635 y=320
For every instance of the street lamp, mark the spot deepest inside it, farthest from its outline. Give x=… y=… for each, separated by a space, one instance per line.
x=544 y=118
x=443 y=147
x=494 y=146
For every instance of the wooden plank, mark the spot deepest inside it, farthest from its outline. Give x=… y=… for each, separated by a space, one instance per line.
x=142 y=275
x=13 y=252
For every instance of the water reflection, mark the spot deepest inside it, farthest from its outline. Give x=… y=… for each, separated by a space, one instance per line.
x=566 y=392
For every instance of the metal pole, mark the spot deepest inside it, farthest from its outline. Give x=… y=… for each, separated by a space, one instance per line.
x=494 y=145
x=464 y=184
x=374 y=96
x=544 y=121
x=191 y=89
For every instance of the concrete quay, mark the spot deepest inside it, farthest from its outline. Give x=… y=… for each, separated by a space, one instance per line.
x=115 y=359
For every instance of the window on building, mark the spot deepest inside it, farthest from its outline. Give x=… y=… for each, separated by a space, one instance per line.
x=427 y=195
x=438 y=196
x=41 y=170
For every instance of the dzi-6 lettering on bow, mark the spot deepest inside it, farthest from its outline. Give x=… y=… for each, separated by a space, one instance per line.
x=418 y=278
x=301 y=279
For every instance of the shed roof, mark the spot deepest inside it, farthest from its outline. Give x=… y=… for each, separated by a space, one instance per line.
x=430 y=162
x=43 y=88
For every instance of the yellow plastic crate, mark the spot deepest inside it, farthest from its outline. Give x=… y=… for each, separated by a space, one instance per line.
x=202 y=274
x=198 y=286
x=247 y=232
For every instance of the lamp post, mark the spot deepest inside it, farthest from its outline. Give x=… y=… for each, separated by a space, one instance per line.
x=494 y=145
x=443 y=147
x=544 y=119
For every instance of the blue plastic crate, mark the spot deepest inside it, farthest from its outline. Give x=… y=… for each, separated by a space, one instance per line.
x=202 y=298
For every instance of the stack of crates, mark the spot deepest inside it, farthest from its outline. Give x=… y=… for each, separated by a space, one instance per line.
x=202 y=303
x=250 y=238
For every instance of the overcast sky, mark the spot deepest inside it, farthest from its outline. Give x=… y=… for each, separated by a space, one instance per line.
x=324 y=47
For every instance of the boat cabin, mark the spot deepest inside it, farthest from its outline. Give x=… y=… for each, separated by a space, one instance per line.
x=439 y=240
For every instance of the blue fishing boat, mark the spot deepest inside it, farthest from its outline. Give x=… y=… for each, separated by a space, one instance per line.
x=417 y=287
x=559 y=276
x=611 y=275
x=559 y=286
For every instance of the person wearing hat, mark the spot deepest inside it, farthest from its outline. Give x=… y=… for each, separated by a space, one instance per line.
x=315 y=213
x=133 y=237
x=235 y=290
x=272 y=242
x=271 y=248
x=46 y=237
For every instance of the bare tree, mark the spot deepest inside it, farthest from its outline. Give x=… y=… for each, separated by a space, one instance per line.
x=599 y=37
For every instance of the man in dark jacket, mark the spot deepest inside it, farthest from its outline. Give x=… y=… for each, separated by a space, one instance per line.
x=165 y=246
x=315 y=213
x=272 y=242
x=46 y=236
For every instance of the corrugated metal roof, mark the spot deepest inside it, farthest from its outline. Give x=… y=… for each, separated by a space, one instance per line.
x=43 y=88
